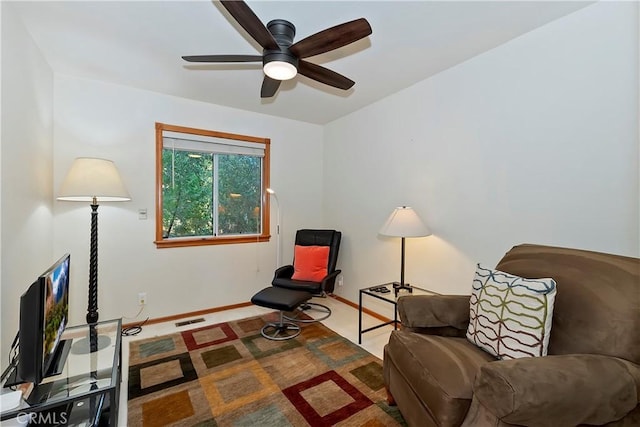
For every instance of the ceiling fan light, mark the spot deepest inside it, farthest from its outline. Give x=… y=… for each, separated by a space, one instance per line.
x=280 y=70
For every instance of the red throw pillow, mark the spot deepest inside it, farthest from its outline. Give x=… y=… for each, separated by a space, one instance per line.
x=310 y=263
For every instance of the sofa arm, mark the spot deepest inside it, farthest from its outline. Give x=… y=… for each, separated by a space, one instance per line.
x=435 y=314
x=564 y=390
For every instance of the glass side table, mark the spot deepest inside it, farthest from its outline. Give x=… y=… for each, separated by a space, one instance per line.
x=389 y=293
x=88 y=384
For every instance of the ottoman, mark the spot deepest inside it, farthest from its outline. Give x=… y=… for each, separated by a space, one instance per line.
x=280 y=299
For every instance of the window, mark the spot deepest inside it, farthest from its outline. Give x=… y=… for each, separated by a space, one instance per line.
x=210 y=187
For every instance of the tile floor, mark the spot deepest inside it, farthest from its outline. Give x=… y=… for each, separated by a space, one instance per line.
x=343 y=320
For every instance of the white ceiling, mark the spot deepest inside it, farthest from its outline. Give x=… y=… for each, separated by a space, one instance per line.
x=139 y=44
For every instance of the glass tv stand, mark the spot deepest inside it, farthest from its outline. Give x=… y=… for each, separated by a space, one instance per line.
x=87 y=391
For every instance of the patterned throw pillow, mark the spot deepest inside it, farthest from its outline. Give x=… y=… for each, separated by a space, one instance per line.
x=510 y=316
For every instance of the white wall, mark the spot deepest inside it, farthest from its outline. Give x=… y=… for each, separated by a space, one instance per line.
x=26 y=170
x=97 y=119
x=535 y=141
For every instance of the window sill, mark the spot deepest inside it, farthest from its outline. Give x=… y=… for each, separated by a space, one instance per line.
x=208 y=241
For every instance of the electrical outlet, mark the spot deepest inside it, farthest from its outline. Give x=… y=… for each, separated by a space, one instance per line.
x=340 y=281
x=142 y=298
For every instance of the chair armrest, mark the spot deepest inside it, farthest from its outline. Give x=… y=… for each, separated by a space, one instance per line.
x=283 y=278
x=560 y=390
x=329 y=282
x=284 y=272
x=435 y=314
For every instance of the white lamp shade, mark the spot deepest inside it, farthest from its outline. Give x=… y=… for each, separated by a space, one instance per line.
x=90 y=179
x=404 y=222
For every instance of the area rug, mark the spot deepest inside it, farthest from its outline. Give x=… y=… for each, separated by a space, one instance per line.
x=229 y=375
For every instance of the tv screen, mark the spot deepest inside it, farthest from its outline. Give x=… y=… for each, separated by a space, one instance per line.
x=44 y=312
x=56 y=308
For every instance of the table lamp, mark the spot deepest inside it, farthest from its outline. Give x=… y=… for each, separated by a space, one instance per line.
x=404 y=222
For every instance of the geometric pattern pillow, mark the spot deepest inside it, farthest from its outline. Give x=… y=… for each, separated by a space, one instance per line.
x=510 y=317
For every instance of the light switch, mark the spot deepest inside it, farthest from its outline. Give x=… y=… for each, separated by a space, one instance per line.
x=142 y=213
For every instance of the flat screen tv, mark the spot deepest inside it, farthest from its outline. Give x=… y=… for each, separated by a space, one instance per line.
x=44 y=313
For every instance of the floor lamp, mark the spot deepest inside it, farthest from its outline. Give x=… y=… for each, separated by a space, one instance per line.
x=404 y=222
x=273 y=194
x=93 y=180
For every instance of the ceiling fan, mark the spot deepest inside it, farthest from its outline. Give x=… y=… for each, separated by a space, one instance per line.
x=281 y=58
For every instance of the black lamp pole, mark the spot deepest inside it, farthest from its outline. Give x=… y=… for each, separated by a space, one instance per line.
x=402 y=266
x=92 y=308
x=94 y=341
x=402 y=284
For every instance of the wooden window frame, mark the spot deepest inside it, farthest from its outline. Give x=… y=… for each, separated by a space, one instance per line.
x=176 y=242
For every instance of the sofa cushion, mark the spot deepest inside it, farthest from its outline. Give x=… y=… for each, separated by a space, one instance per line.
x=440 y=371
x=510 y=317
x=559 y=390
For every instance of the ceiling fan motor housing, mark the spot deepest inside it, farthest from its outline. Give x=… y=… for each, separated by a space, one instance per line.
x=283 y=32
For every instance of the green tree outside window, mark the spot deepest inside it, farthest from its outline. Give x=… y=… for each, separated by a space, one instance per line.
x=210 y=195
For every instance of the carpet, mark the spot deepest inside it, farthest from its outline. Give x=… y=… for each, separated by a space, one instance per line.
x=229 y=375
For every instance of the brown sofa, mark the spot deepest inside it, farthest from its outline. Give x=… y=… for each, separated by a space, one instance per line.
x=591 y=375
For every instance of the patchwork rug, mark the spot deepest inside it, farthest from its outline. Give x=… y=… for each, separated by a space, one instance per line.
x=229 y=375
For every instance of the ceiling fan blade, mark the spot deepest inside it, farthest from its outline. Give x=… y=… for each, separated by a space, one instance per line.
x=223 y=58
x=332 y=38
x=269 y=87
x=250 y=22
x=324 y=75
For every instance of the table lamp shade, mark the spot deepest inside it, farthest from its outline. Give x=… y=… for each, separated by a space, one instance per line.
x=404 y=222
x=91 y=179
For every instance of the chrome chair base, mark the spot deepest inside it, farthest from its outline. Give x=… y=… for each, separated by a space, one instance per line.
x=311 y=309
x=280 y=331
